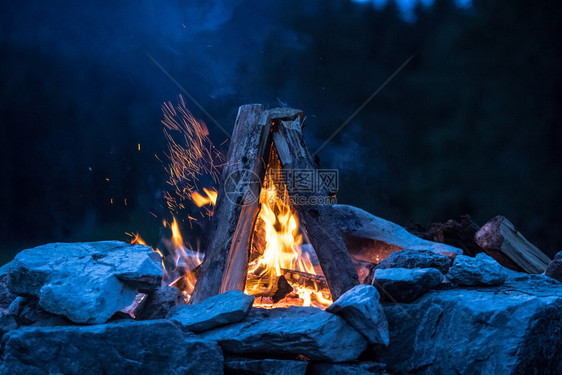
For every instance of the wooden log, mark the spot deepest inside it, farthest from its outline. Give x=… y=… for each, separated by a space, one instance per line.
x=226 y=258
x=500 y=236
x=304 y=275
x=313 y=209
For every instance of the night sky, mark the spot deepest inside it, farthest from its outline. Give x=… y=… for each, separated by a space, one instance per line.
x=470 y=125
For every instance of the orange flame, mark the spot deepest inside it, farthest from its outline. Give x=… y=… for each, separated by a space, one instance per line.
x=137 y=240
x=184 y=260
x=283 y=247
x=200 y=200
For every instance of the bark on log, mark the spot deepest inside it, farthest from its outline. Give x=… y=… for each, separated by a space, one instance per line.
x=315 y=213
x=226 y=258
x=500 y=236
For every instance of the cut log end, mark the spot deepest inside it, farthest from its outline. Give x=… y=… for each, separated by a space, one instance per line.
x=501 y=240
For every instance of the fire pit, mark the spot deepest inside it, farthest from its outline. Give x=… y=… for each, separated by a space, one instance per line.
x=289 y=282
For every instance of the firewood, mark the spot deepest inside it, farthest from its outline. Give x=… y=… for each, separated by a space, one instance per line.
x=500 y=236
x=315 y=213
x=456 y=233
x=283 y=288
x=226 y=258
x=306 y=276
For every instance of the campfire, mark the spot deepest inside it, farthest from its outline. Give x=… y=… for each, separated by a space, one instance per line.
x=288 y=281
x=272 y=232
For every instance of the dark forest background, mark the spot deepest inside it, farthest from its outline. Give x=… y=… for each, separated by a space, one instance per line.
x=472 y=124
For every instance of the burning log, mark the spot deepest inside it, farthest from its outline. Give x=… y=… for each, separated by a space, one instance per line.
x=499 y=238
x=316 y=214
x=226 y=259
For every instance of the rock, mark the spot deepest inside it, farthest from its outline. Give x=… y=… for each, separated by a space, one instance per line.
x=7 y=323
x=365 y=368
x=5 y=268
x=416 y=259
x=554 y=269
x=515 y=328
x=405 y=285
x=86 y=282
x=151 y=347
x=244 y=366
x=309 y=331
x=226 y=308
x=6 y=298
x=480 y=270
x=369 y=236
x=360 y=307
x=27 y=312
x=159 y=302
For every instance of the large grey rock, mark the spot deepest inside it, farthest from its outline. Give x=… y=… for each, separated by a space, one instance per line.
x=361 y=308
x=86 y=282
x=404 y=285
x=245 y=366
x=226 y=308
x=150 y=347
x=416 y=259
x=554 y=269
x=480 y=270
x=386 y=236
x=515 y=328
x=309 y=331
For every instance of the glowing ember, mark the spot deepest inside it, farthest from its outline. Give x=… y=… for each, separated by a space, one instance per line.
x=283 y=255
x=191 y=154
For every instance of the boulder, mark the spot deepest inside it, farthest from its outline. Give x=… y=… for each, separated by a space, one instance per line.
x=480 y=270
x=360 y=307
x=554 y=269
x=515 y=328
x=86 y=282
x=416 y=259
x=405 y=285
x=244 y=366
x=369 y=236
x=309 y=331
x=225 y=308
x=158 y=303
x=150 y=347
